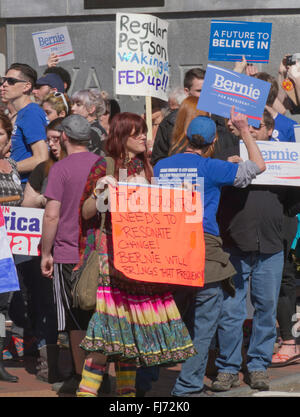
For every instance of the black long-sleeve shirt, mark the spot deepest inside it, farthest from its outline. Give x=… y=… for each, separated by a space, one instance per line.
x=163 y=138
x=252 y=218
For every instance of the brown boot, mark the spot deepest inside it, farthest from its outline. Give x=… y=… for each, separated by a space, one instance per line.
x=47 y=369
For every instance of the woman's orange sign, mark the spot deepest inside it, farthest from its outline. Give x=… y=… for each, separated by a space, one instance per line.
x=158 y=234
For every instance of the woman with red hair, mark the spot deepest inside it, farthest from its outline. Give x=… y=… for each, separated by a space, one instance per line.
x=135 y=323
x=186 y=113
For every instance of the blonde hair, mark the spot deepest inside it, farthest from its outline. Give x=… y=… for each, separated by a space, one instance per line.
x=58 y=103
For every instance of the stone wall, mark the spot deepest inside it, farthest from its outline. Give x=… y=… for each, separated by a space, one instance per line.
x=92 y=33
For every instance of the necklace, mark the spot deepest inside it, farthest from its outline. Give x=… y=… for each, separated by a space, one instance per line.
x=127 y=160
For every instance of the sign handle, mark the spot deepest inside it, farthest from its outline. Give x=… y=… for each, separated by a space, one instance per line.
x=149 y=122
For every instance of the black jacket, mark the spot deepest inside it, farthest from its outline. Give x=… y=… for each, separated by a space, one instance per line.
x=97 y=139
x=163 y=138
x=227 y=143
x=253 y=218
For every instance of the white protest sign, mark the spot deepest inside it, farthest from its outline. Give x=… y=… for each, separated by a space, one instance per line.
x=24 y=229
x=282 y=161
x=297 y=132
x=53 y=40
x=142 y=67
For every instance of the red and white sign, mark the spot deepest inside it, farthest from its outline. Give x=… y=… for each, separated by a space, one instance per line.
x=24 y=229
x=8 y=275
x=56 y=41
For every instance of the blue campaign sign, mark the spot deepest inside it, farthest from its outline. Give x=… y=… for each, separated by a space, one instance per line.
x=223 y=89
x=229 y=41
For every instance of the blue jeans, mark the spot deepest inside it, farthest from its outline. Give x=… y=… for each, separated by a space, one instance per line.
x=201 y=320
x=266 y=273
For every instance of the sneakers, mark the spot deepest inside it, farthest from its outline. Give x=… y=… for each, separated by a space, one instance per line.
x=225 y=381
x=258 y=380
x=202 y=393
x=63 y=340
x=7 y=355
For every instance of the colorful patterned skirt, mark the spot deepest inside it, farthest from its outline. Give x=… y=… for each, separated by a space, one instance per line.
x=135 y=321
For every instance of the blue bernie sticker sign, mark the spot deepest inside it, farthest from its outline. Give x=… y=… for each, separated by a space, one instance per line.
x=223 y=89
x=230 y=40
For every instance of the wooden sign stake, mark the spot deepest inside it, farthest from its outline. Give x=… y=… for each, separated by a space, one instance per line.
x=149 y=122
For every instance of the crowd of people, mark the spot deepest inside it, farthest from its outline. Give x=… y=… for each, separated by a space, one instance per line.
x=59 y=151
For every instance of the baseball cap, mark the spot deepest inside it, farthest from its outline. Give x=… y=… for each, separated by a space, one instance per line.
x=203 y=126
x=76 y=127
x=53 y=80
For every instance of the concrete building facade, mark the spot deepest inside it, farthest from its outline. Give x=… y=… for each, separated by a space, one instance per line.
x=91 y=25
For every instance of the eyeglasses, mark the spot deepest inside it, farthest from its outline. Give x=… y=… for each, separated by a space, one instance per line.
x=11 y=80
x=259 y=127
x=53 y=139
x=58 y=94
x=138 y=136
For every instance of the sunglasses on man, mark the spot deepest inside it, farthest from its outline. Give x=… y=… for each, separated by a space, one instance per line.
x=11 y=80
